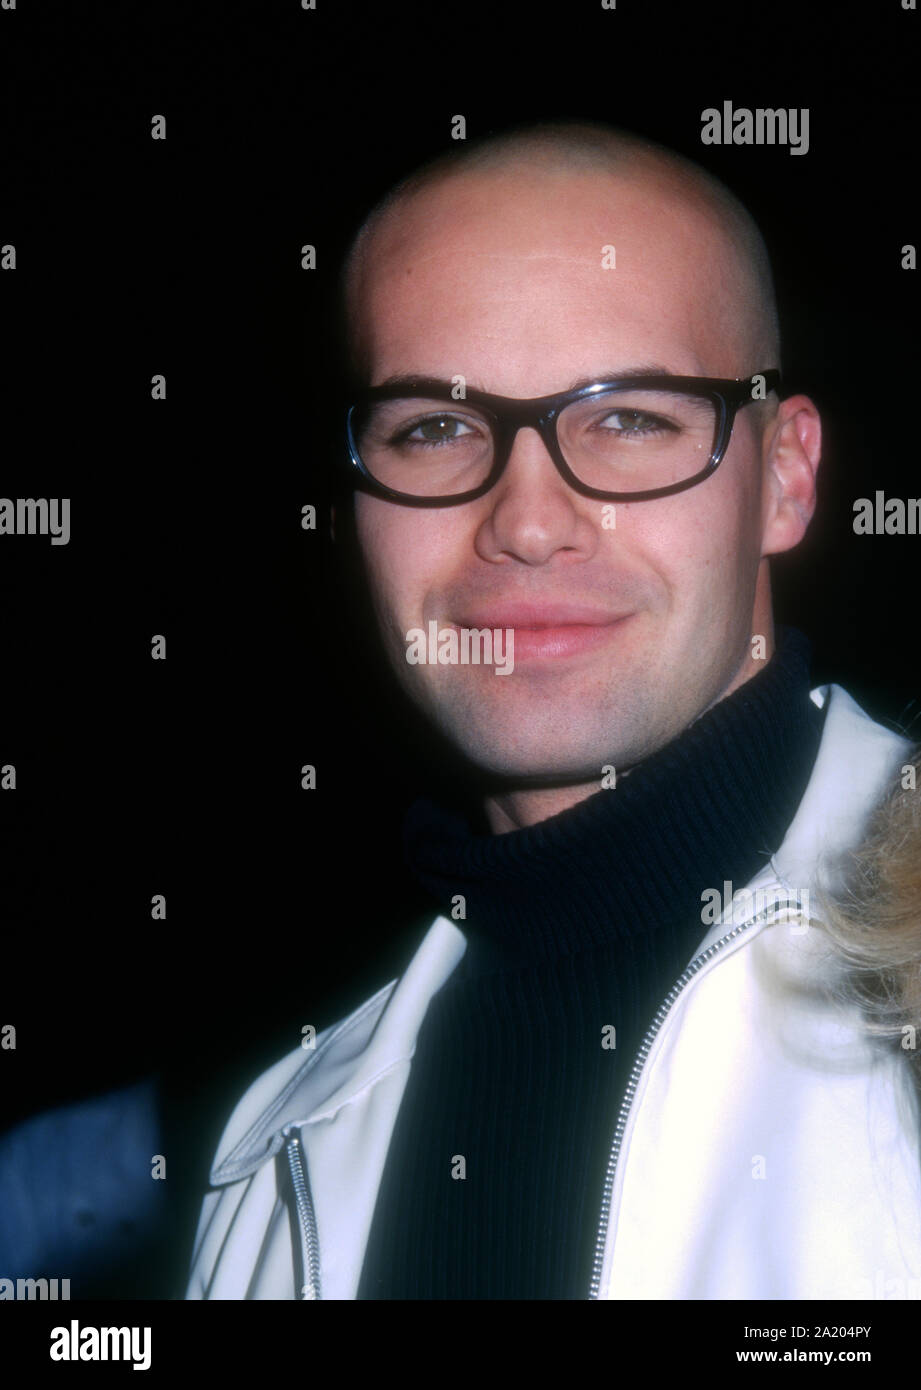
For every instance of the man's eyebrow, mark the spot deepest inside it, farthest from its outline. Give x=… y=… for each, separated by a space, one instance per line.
x=622 y=374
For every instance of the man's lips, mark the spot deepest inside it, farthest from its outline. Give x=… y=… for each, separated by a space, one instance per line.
x=547 y=630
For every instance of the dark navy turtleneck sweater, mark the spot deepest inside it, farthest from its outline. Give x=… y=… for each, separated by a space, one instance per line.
x=575 y=925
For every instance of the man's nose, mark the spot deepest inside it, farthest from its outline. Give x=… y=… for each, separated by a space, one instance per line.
x=533 y=512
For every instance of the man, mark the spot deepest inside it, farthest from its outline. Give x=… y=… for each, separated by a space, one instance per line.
x=590 y=1081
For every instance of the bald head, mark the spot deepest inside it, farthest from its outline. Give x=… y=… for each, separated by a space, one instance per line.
x=608 y=182
x=533 y=265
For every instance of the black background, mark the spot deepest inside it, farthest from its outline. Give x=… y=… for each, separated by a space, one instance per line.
x=182 y=256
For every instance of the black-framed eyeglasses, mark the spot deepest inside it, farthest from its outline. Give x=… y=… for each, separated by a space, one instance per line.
x=627 y=439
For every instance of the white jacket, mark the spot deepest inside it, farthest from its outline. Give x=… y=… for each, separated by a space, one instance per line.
x=766 y=1149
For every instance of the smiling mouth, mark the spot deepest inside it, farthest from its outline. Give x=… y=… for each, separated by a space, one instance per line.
x=555 y=640
x=550 y=636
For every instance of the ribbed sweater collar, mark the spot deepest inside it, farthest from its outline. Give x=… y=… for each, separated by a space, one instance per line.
x=711 y=805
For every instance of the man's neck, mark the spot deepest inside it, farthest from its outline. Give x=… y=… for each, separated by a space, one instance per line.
x=515 y=809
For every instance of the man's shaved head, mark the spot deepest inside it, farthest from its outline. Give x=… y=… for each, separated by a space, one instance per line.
x=520 y=266
x=552 y=153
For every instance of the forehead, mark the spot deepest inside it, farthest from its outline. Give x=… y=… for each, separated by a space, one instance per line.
x=521 y=281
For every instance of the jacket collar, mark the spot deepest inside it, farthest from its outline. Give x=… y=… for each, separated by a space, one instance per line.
x=856 y=759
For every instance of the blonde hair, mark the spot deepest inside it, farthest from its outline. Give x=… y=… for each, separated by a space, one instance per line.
x=873 y=917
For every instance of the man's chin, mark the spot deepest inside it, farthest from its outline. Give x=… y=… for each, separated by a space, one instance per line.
x=522 y=760
x=563 y=736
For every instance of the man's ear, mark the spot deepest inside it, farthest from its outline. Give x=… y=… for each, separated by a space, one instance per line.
x=792 y=450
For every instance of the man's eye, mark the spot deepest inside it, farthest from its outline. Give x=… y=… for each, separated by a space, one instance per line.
x=631 y=422
x=436 y=428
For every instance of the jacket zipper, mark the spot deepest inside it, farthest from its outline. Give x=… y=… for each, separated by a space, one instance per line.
x=310 y=1245
x=645 y=1047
